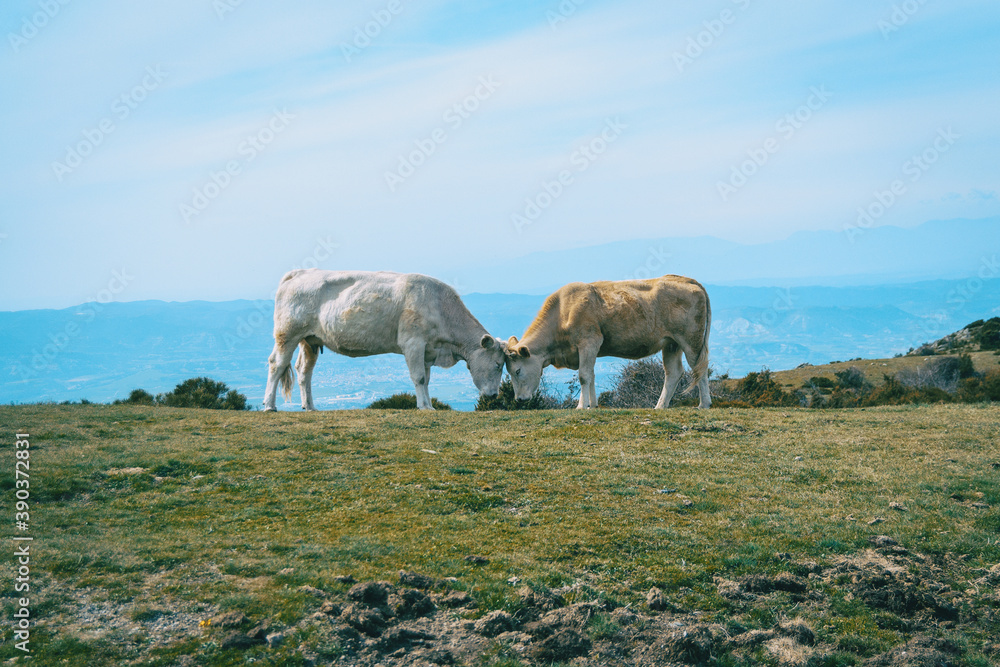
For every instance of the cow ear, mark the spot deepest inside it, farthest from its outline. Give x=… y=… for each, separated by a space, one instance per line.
x=487 y=342
x=524 y=351
x=512 y=341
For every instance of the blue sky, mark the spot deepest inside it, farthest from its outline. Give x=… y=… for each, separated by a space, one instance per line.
x=200 y=149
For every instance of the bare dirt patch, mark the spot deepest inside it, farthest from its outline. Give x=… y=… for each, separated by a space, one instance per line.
x=421 y=621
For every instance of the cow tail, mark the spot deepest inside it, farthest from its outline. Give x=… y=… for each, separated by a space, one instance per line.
x=287 y=378
x=700 y=368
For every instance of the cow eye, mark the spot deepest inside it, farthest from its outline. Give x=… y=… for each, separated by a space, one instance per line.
x=499 y=365
x=517 y=372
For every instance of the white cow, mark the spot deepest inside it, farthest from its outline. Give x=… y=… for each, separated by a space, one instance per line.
x=361 y=313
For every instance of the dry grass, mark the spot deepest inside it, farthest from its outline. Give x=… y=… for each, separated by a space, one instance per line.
x=238 y=510
x=874 y=369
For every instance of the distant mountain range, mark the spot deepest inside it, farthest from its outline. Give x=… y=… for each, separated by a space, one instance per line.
x=949 y=250
x=101 y=352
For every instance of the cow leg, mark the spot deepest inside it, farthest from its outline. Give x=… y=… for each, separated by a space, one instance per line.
x=279 y=371
x=304 y=365
x=427 y=387
x=420 y=374
x=672 y=372
x=704 y=394
x=588 y=393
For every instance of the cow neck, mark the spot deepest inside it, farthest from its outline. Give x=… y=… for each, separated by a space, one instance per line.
x=470 y=344
x=535 y=341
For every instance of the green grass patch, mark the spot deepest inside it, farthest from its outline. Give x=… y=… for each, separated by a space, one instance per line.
x=237 y=510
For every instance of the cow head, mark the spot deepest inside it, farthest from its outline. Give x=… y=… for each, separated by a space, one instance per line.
x=486 y=365
x=524 y=368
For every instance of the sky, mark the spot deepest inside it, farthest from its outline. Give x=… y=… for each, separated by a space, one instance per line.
x=199 y=149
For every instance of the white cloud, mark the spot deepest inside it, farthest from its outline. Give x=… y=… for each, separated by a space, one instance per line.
x=686 y=129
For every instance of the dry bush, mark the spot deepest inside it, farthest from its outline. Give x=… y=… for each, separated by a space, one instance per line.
x=938 y=373
x=639 y=383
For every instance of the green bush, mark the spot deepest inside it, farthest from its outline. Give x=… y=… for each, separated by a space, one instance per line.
x=206 y=393
x=852 y=378
x=840 y=398
x=404 y=402
x=976 y=389
x=504 y=400
x=965 y=367
x=893 y=392
x=760 y=390
x=819 y=383
x=987 y=334
x=137 y=397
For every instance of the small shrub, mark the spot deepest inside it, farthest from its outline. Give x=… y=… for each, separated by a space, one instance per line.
x=987 y=334
x=817 y=382
x=976 y=389
x=891 y=392
x=852 y=378
x=940 y=373
x=841 y=398
x=894 y=392
x=572 y=395
x=639 y=384
x=404 y=402
x=760 y=390
x=205 y=393
x=504 y=400
x=965 y=367
x=137 y=397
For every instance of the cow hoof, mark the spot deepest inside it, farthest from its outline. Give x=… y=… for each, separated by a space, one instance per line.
x=269 y=409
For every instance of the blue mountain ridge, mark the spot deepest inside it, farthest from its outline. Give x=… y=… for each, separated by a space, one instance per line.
x=102 y=351
x=886 y=255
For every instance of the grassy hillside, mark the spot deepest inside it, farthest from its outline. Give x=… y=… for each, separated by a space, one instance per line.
x=773 y=535
x=875 y=370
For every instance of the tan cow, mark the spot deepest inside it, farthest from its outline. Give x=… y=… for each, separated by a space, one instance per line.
x=629 y=318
